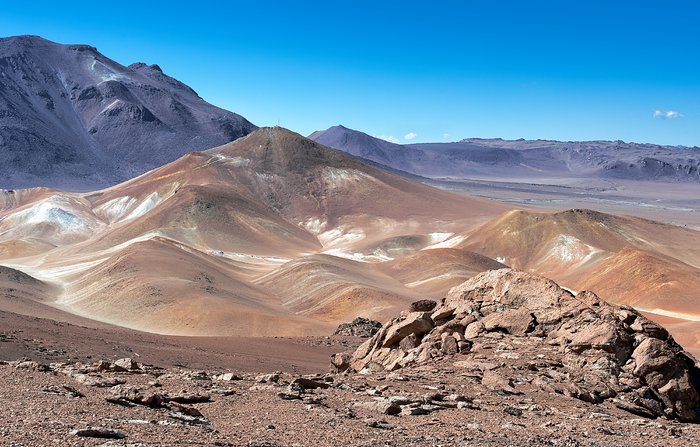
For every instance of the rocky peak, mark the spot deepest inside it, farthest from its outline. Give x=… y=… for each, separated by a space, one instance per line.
x=602 y=351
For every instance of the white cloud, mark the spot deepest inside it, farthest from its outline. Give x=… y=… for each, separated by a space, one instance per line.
x=410 y=135
x=445 y=136
x=667 y=114
x=389 y=138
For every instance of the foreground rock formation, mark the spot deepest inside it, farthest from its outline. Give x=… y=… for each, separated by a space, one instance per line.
x=575 y=345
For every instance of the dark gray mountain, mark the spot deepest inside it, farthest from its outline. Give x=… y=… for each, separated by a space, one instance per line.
x=72 y=118
x=361 y=145
x=496 y=158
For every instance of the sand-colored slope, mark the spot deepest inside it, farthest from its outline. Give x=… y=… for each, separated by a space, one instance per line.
x=623 y=259
x=216 y=218
x=555 y=244
x=649 y=282
x=435 y=271
x=336 y=290
x=22 y=248
x=162 y=286
x=18 y=286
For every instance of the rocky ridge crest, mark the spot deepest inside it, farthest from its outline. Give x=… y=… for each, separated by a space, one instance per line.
x=600 y=351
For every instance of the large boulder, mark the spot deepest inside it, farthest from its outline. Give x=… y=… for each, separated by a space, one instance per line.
x=359 y=327
x=620 y=353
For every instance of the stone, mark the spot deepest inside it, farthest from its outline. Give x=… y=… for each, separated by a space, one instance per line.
x=309 y=384
x=189 y=411
x=384 y=406
x=423 y=305
x=634 y=409
x=64 y=390
x=228 y=377
x=359 y=327
x=604 y=336
x=449 y=345
x=513 y=411
x=189 y=398
x=591 y=350
x=441 y=313
x=417 y=323
x=497 y=382
x=98 y=432
x=476 y=365
x=340 y=362
x=474 y=329
x=512 y=321
x=268 y=378
x=98 y=381
x=125 y=364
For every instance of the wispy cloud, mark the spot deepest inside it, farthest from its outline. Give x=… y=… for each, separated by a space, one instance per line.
x=389 y=138
x=445 y=136
x=410 y=135
x=667 y=114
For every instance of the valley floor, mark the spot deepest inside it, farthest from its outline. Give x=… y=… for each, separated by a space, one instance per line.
x=673 y=203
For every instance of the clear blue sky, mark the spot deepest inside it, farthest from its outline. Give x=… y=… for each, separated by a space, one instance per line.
x=560 y=69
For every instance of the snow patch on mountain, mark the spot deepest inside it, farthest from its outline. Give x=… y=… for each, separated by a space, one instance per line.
x=55 y=210
x=115 y=208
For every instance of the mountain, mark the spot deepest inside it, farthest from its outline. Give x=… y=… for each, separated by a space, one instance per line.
x=275 y=234
x=626 y=260
x=522 y=159
x=272 y=234
x=72 y=118
x=361 y=145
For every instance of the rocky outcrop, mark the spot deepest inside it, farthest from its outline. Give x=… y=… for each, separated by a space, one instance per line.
x=605 y=351
x=359 y=327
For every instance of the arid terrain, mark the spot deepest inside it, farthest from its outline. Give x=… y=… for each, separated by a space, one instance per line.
x=224 y=274
x=505 y=382
x=499 y=244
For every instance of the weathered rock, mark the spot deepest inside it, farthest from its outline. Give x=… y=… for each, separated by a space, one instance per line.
x=359 y=327
x=227 y=377
x=125 y=364
x=64 y=390
x=129 y=396
x=512 y=321
x=189 y=398
x=498 y=383
x=309 y=384
x=98 y=380
x=98 y=432
x=611 y=351
x=268 y=378
x=383 y=406
x=423 y=305
x=340 y=362
x=667 y=375
x=416 y=323
x=184 y=409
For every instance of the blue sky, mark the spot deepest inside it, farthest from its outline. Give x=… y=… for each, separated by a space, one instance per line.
x=442 y=70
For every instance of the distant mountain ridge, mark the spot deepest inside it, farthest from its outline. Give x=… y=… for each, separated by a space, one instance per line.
x=484 y=158
x=72 y=118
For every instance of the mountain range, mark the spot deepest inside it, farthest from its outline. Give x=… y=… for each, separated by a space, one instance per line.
x=154 y=210
x=521 y=159
x=275 y=234
x=72 y=118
